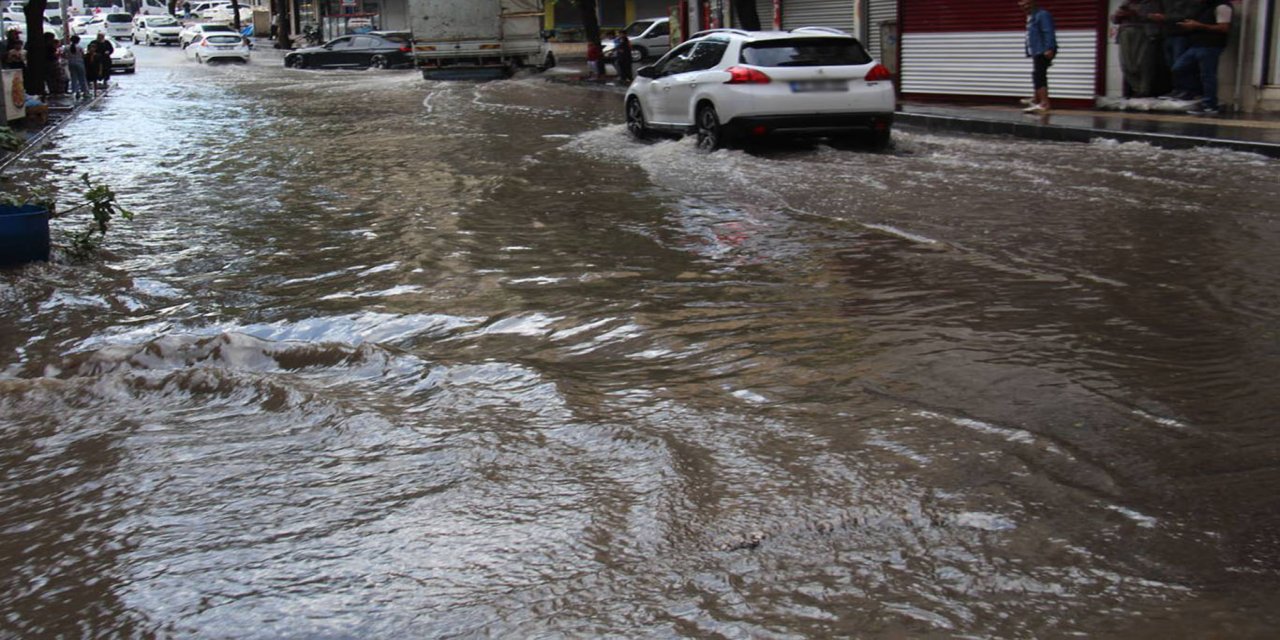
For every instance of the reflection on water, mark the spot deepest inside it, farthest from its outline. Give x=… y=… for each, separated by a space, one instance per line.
x=382 y=357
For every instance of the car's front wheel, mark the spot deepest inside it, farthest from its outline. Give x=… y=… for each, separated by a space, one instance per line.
x=710 y=133
x=636 y=125
x=638 y=54
x=296 y=62
x=379 y=62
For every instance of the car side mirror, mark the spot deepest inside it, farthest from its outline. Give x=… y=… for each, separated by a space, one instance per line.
x=650 y=72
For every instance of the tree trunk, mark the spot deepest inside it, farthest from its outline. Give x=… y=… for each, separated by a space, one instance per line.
x=37 y=58
x=235 y=15
x=283 y=40
x=590 y=25
x=748 y=17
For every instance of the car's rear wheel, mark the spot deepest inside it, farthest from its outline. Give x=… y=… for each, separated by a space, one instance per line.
x=297 y=62
x=380 y=62
x=877 y=140
x=710 y=133
x=636 y=125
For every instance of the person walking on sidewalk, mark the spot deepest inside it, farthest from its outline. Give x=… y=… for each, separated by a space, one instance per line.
x=622 y=56
x=1041 y=46
x=1208 y=31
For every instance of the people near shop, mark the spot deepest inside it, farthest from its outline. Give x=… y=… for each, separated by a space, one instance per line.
x=73 y=53
x=1041 y=46
x=1176 y=39
x=14 y=56
x=186 y=10
x=622 y=56
x=1208 y=31
x=595 y=60
x=1141 y=59
x=98 y=61
x=55 y=78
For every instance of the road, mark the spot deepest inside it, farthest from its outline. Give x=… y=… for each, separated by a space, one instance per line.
x=381 y=357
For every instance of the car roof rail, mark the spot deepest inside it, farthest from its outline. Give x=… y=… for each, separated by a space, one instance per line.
x=830 y=30
x=707 y=32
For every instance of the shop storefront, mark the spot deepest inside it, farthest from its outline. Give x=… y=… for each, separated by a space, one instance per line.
x=965 y=49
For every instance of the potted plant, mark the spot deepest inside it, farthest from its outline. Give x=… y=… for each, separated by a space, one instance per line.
x=24 y=224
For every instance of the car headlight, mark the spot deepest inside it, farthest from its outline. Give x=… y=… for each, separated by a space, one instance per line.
x=128 y=55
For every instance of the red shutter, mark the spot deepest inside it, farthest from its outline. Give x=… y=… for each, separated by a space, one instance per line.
x=922 y=16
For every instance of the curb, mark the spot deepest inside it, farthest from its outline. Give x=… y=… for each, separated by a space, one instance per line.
x=39 y=138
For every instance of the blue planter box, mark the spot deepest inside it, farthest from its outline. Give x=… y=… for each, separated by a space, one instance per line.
x=24 y=234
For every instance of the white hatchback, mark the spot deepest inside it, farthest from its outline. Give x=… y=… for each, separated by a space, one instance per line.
x=727 y=85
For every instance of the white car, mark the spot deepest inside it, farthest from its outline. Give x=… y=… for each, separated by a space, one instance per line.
x=649 y=38
x=225 y=15
x=117 y=26
x=197 y=30
x=122 y=60
x=206 y=9
x=728 y=84
x=220 y=46
x=154 y=30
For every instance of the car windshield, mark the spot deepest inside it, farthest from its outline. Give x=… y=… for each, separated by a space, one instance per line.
x=223 y=39
x=162 y=22
x=119 y=18
x=216 y=27
x=637 y=28
x=805 y=52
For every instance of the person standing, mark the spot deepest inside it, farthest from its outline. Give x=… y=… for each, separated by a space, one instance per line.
x=98 y=61
x=1041 y=46
x=75 y=67
x=1208 y=31
x=622 y=56
x=1139 y=39
x=1176 y=39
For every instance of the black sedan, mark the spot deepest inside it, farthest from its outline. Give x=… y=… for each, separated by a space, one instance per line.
x=382 y=50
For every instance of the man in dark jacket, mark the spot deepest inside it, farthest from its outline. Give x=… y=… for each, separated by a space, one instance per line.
x=1208 y=31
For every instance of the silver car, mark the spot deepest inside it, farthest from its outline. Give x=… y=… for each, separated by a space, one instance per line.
x=649 y=38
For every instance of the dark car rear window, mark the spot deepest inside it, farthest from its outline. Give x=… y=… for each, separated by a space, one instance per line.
x=805 y=52
x=119 y=17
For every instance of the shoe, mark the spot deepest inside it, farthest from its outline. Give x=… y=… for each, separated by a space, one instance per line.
x=1036 y=109
x=1027 y=102
x=1201 y=110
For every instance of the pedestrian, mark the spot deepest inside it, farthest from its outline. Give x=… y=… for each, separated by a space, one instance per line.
x=622 y=56
x=1176 y=39
x=1139 y=39
x=1208 y=31
x=595 y=61
x=55 y=79
x=14 y=56
x=74 y=56
x=186 y=10
x=1041 y=46
x=98 y=61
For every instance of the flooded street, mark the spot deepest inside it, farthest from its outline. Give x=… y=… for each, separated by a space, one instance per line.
x=387 y=358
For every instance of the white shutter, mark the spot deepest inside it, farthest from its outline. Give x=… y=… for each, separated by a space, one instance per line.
x=764 y=9
x=995 y=64
x=818 y=13
x=878 y=13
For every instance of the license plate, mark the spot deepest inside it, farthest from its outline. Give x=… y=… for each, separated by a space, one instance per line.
x=819 y=85
x=225 y=47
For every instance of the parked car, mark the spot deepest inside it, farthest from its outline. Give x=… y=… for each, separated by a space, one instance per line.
x=205 y=9
x=225 y=15
x=116 y=25
x=649 y=38
x=154 y=30
x=122 y=60
x=381 y=49
x=220 y=46
x=197 y=30
x=728 y=84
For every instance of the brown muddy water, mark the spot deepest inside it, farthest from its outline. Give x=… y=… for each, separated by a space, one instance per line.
x=384 y=358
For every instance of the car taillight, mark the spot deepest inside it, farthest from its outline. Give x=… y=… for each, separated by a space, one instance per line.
x=406 y=49
x=878 y=73
x=747 y=75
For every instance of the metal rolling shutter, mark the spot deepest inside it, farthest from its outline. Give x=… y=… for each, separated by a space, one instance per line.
x=879 y=12
x=764 y=9
x=993 y=63
x=964 y=47
x=818 y=13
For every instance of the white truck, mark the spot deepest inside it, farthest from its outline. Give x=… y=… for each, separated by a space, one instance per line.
x=477 y=39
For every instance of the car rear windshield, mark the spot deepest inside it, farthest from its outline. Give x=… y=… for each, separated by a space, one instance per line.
x=805 y=52
x=119 y=17
x=210 y=28
x=223 y=39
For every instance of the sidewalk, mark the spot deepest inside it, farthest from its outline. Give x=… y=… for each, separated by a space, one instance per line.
x=61 y=109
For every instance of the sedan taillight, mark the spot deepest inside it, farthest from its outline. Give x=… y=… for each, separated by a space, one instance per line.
x=405 y=49
x=878 y=73
x=747 y=75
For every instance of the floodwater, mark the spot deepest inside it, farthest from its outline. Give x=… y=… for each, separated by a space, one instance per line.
x=381 y=357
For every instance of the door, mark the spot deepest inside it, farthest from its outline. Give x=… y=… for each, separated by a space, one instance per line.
x=335 y=52
x=658 y=92
x=706 y=54
x=361 y=51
